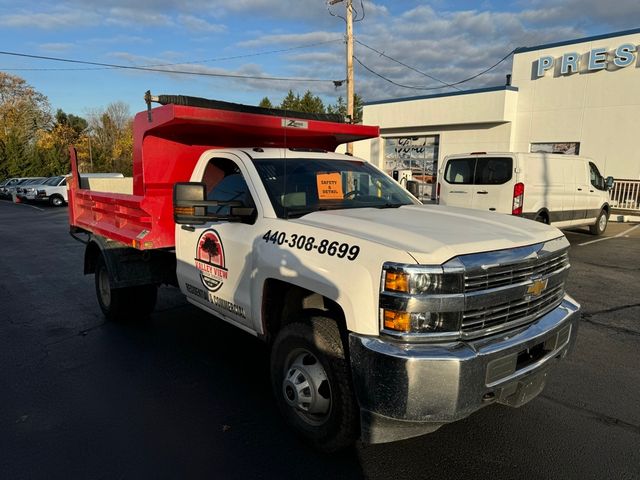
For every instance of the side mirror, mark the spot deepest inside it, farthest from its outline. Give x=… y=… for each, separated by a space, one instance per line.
x=609 y=183
x=191 y=207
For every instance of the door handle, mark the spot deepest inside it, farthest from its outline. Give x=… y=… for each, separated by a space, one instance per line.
x=579 y=189
x=482 y=192
x=188 y=228
x=591 y=191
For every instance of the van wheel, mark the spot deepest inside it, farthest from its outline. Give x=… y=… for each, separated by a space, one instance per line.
x=131 y=303
x=311 y=381
x=600 y=226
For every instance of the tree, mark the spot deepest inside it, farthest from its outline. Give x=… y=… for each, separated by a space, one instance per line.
x=340 y=108
x=23 y=113
x=111 y=137
x=210 y=246
x=265 y=103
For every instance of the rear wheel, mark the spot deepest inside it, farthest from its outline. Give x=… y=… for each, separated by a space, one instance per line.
x=130 y=303
x=311 y=381
x=600 y=226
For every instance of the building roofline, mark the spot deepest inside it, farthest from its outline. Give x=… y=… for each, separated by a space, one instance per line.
x=447 y=94
x=577 y=40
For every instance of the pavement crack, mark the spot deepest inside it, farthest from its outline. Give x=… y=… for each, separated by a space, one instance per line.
x=600 y=417
x=587 y=318
x=613 y=267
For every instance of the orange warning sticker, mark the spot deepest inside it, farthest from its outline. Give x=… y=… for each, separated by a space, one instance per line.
x=329 y=186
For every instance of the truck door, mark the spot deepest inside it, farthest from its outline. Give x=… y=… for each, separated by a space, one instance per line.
x=456 y=187
x=493 y=185
x=215 y=260
x=582 y=186
x=598 y=194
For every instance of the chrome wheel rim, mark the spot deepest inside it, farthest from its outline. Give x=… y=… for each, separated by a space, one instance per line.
x=306 y=387
x=602 y=223
x=104 y=287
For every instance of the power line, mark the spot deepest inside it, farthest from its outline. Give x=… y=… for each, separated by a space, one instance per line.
x=435 y=88
x=407 y=66
x=235 y=57
x=160 y=70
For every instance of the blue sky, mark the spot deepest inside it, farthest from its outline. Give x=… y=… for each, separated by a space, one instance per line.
x=449 y=40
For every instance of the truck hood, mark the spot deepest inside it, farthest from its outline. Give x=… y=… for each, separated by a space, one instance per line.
x=433 y=234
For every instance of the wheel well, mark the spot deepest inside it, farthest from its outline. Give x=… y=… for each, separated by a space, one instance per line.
x=284 y=303
x=91 y=255
x=544 y=213
x=606 y=208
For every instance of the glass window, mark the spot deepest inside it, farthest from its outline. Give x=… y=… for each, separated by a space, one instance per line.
x=567 y=148
x=460 y=171
x=493 y=171
x=298 y=186
x=596 y=179
x=418 y=154
x=225 y=183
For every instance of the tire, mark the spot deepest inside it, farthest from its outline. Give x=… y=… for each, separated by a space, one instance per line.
x=541 y=217
x=122 y=304
x=56 y=201
x=325 y=412
x=600 y=226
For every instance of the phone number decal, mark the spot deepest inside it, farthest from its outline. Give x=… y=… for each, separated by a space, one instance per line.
x=323 y=247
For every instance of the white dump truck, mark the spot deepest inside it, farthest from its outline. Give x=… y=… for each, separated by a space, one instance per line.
x=386 y=318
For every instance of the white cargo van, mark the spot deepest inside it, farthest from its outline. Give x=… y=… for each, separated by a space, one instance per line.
x=562 y=190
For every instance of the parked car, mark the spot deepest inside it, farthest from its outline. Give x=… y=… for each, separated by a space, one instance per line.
x=52 y=190
x=561 y=190
x=6 y=184
x=21 y=188
x=12 y=189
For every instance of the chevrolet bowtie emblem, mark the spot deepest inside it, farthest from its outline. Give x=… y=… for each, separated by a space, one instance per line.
x=537 y=287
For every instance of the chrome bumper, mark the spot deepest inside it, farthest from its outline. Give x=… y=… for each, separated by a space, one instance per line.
x=406 y=390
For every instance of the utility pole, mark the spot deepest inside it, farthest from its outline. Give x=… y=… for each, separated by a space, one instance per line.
x=349 y=39
x=350 y=68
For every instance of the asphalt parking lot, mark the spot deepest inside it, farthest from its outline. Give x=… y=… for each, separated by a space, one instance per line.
x=184 y=395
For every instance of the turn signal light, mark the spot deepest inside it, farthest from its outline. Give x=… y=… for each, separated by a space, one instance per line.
x=396 y=281
x=398 y=321
x=184 y=210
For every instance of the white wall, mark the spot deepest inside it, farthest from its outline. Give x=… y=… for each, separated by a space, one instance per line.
x=599 y=109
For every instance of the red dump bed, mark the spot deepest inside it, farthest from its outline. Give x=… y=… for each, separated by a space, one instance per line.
x=168 y=141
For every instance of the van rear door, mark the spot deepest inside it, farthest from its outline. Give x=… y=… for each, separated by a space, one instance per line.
x=493 y=185
x=456 y=186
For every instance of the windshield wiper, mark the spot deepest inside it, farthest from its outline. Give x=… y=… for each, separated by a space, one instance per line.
x=390 y=205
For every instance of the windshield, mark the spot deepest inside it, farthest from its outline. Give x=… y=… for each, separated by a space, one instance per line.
x=53 y=181
x=297 y=186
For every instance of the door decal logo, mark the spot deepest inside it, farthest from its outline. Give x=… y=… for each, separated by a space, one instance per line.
x=210 y=260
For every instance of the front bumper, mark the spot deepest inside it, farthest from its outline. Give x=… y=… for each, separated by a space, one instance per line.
x=406 y=390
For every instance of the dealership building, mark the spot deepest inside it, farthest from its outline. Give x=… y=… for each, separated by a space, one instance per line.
x=574 y=97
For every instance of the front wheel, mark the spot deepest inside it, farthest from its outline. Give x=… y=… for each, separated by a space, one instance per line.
x=56 y=201
x=130 y=303
x=311 y=380
x=600 y=226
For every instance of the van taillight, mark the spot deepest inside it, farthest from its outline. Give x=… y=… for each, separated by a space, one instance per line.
x=438 y=193
x=518 y=199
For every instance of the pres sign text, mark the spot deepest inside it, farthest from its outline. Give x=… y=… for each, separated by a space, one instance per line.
x=596 y=59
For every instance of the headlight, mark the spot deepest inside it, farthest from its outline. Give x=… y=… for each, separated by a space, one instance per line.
x=420 y=302
x=420 y=280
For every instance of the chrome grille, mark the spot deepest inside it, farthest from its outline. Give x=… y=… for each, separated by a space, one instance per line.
x=503 y=275
x=480 y=322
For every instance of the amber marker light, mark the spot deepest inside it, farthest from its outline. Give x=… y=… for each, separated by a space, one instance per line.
x=398 y=321
x=184 y=211
x=396 y=282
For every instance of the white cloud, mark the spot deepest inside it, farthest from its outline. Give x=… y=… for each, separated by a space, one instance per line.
x=198 y=25
x=56 y=47
x=57 y=19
